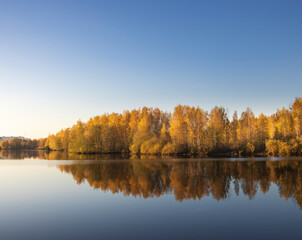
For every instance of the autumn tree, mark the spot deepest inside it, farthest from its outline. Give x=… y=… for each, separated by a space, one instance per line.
x=217 y=130
x=179 y=129
x=196 y=120
x=5 y=144
x=297 y=116
x=78 y=142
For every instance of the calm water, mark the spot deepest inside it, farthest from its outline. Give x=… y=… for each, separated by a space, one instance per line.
x=60 y=196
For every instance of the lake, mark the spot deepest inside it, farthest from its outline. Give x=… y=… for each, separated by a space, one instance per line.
x=67 y=196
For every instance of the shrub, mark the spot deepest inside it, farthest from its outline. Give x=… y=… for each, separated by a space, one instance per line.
x=284 y=148
x=250 y=148
x=169 y=149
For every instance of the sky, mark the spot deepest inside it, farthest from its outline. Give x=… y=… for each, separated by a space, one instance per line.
x=61 y=61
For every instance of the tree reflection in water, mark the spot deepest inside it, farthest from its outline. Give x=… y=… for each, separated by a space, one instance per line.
x=191 y=179
x=185 y=178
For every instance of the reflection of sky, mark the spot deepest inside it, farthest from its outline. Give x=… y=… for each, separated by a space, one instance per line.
x=64 y=60
x=39 y=201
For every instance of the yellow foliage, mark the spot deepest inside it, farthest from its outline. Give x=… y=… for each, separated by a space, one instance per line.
x=189 y=130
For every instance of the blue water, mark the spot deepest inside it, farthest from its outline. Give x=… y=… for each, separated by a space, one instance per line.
x=151 y=199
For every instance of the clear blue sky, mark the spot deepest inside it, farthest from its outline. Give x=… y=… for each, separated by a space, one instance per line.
x=61 y=61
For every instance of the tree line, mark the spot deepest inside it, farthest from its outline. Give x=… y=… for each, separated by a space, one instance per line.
x=18 y=144
x=188 y=130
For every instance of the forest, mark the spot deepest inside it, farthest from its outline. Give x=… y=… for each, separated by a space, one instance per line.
x=17 y=144
x=187 y=131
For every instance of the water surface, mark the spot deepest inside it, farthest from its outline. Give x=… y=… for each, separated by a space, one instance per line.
x=59 y=196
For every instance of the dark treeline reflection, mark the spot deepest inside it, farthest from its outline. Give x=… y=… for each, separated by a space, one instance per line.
x=59 y=155
x=192 y=179
x=56 y=155
x=186 y=179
